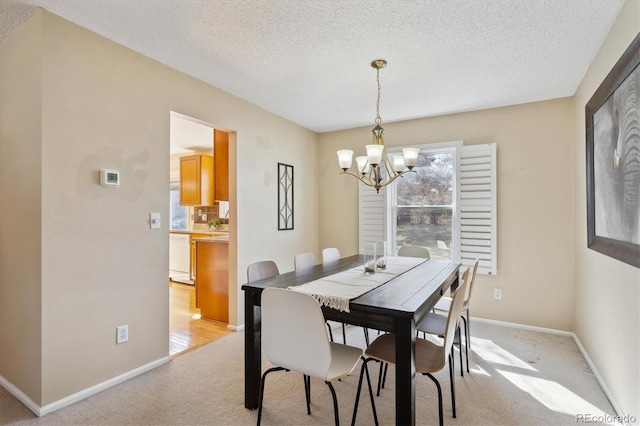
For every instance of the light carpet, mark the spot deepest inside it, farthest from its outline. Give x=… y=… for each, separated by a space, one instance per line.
x=518 y=377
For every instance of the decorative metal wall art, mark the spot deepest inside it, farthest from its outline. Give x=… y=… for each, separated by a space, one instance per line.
x=285 y=197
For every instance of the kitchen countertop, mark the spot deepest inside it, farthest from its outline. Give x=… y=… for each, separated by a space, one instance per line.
x=212 y=233
x=215 y=239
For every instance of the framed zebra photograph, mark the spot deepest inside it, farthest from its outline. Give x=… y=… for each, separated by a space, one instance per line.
x=613 y=161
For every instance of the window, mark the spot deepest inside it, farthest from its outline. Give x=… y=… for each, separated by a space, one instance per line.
x=448 y=205
x=423 y=204
x=177 y=213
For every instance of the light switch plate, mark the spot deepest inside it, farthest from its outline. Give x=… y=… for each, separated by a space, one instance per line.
x=154 y=220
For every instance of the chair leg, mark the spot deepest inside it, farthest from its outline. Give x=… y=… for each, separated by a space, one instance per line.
x=307 y=392
x=439 y=397
x=466 y=340
x=335 y=403
x=384 y=376
x=330 y=332
x=344 y=334
x=366 y=335
x=459 y=333
x=453 y=385
x=382 y=364
x=261 y=394
x=468 y=326
x=364 y=369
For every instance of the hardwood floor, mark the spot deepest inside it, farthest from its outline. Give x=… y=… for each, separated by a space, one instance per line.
x=187 y=331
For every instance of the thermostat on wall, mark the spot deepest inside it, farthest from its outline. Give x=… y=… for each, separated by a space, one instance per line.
x=109 y=177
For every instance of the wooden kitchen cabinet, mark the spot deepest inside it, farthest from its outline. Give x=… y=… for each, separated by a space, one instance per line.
x=221 y=164
x=192 y=257
x=212 y=279
x=196 y=180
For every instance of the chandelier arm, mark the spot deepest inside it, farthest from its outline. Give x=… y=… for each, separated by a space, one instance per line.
x=387 y=164
x=372 y=183
x=364 y=179
x=397 y=176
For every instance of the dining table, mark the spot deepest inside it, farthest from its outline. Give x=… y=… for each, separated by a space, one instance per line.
x=395 y=306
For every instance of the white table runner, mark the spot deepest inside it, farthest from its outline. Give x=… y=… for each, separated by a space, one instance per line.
x=335 y=291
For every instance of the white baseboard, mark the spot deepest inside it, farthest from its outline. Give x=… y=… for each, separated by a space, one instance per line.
x=599 y=378
x=21 y=396
x=78 y=396
x=524 y=327
x=236 y=327
x=585 y=355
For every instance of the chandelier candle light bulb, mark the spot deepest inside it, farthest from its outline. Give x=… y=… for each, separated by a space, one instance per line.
x=370 y=168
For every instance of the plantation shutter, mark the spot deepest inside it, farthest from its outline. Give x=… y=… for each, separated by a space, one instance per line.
x=371 y=208
x=476 y=207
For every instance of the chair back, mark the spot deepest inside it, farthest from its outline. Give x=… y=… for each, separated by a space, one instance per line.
x=304 y=261
x=261 y=270
x=330 y=254
x=414 y=251
x=453 y=318
x=472 y=280
x=294 y=334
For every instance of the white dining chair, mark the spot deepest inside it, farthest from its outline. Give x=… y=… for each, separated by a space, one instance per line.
x=330 y=254
x=430 y=357
x=444 y=304
x=435 y=324
x=304 y=261
x=414 y=251
x=261 y=270
x=294 y=338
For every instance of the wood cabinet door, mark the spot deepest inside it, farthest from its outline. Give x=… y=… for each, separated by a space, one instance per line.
x=196 y=180
x=190 y=180
x=221 y=164
x=212 y=280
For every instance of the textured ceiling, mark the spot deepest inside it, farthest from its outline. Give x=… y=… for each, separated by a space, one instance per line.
x=308 y=60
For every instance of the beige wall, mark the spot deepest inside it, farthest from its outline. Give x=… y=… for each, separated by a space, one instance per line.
x=74 y=102
x=534 y=203
x=105 y=106
x=607 y=290
x=21 y=208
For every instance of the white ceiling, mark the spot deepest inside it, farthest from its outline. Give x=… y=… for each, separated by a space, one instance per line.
x=308 y=60
x=188 y=135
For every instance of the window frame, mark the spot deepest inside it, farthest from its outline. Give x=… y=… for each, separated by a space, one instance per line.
x=391 y=205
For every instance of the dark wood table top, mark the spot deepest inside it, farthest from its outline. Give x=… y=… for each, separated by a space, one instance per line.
x=406 y=295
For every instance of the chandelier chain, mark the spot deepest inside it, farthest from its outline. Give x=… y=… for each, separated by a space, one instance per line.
x=378 y=119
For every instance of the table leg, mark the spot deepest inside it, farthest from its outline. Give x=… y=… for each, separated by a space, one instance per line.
x=252 y=351
x=454 y=284
x=405 y=372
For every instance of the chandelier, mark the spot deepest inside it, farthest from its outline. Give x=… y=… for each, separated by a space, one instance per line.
x=376 y=165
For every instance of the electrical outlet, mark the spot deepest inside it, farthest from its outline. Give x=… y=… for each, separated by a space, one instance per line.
x=497 y=293
x=122 y=334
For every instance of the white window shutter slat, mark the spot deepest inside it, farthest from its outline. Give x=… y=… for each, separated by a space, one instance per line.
x=476 y=207
x=372 y=208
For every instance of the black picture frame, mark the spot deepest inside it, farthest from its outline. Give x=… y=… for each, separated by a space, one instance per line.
x=285 y=197
x=613 y=161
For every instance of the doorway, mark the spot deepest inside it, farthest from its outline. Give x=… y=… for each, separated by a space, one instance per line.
x=188 y=330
